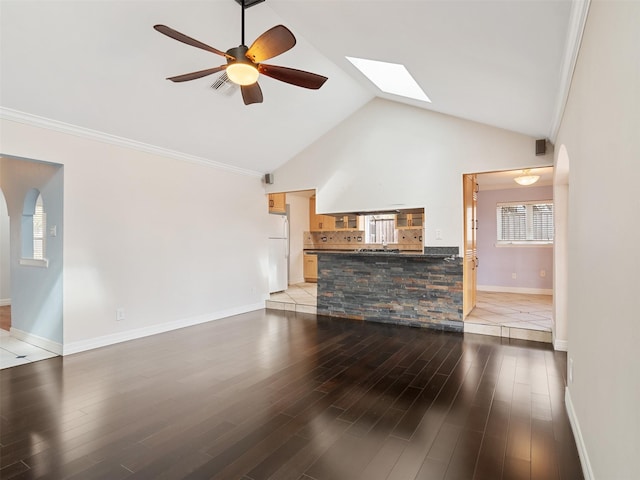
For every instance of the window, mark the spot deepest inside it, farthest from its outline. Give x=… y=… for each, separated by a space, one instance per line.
x=525 y=223
x=380 y=229
x=33 y=228
x=39 y=224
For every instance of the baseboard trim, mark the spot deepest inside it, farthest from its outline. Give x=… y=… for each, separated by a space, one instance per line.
x=30 y=338
x=111 y=339
x=532 y=291
x=4 y=302
x=577 y=433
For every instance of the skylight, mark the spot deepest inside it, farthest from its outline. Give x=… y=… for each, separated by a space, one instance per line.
x=390 y=78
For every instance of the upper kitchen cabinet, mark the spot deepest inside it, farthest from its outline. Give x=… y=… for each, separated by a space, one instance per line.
x=277 y=203
x=319 y=223
x=410 y=220
x=347 y=222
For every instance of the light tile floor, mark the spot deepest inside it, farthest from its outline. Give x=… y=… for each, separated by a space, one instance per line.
x=301 y=297
x=510 y=315
x=533 y=312
x=15 y=352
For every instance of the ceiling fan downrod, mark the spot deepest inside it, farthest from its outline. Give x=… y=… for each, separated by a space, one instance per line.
x=242 y=17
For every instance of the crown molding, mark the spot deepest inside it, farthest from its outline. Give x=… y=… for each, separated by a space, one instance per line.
x=577 y=21
x=55 y=125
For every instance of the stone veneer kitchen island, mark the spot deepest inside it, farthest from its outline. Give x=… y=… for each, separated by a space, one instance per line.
x=414 y=289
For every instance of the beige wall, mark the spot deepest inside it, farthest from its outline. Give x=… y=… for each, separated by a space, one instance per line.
x=601 y=133
x=174 y=243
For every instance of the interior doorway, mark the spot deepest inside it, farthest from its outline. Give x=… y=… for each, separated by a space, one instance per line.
x=35 y=264
x=5 y=270
x=514 y=271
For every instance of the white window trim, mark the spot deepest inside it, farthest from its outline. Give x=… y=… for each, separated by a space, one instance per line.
x=35 y=262
x=532 y=243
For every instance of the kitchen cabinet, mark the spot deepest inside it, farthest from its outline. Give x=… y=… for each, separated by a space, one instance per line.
x=346 y=222
x=310 y=268
x=319 y=223
x=470 y=265
x=277 y=203
x=409 y=220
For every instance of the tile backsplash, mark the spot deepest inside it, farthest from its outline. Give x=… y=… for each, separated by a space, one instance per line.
x=408 y=239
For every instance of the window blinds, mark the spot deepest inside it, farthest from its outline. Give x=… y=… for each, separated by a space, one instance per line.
x=525 y=222
x=38 y=230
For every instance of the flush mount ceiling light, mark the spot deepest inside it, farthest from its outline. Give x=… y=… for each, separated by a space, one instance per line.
x=390 y=78
x=526 y=178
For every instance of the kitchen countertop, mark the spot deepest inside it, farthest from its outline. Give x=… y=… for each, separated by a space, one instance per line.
x=403 y=254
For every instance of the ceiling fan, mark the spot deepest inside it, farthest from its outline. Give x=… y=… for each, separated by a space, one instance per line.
x=244 y=64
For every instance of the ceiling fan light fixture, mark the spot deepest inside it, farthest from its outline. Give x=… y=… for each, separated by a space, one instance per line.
x=242 y=73
x=526 y=178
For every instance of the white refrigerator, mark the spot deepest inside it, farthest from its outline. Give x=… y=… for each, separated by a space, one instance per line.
x=278 y=253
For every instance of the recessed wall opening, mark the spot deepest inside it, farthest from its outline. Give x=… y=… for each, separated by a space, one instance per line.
x=515 y=270
x=5 y=269
x=33 y=192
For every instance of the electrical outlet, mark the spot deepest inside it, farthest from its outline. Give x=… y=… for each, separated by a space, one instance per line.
x=543 y=273
x=571 y=370
x=438 y=234
x=514 y=276
x=120 y=314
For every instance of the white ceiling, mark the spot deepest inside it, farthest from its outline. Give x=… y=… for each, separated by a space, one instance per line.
x=99 y=65
x=505 y=179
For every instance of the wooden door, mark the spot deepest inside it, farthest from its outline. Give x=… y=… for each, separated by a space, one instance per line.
x=470 y=194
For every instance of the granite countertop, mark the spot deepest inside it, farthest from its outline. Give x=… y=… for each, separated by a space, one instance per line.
x=388 y=253
x=429 y=252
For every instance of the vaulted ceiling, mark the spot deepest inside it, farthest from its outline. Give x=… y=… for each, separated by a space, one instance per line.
x=99 y=65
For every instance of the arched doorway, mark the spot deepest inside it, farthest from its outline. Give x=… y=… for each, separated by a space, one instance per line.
x=5 y=268
x=30 y=189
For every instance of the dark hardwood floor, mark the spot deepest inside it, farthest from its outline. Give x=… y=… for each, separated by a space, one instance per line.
x=275 y=395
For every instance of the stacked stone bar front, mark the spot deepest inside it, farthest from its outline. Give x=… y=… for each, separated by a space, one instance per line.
x=406 y=289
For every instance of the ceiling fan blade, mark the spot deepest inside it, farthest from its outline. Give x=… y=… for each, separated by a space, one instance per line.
x=271 y=43
x=299 y=78
x=181 y=37
x=251 y=93
x=194 y=75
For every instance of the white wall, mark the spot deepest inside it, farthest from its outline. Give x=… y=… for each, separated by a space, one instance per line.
x=5 y=277
x=172 y=242
x=389 y=155
x=298 y=223
x=600 y=131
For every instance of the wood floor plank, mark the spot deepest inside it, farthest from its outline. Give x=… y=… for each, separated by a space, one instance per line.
x=280 y=395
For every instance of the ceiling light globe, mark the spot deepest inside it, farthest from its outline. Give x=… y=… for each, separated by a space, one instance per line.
x=527 y=179
x=242 y=73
